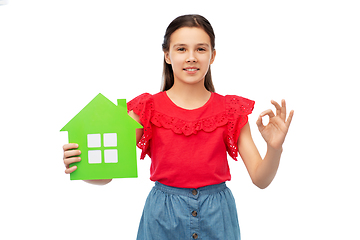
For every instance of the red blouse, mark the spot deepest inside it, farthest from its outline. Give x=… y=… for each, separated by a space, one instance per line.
x=188 y=147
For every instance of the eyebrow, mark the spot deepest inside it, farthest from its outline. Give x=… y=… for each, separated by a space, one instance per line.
x=182 y=45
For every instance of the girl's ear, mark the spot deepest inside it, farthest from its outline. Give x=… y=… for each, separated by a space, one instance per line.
x=213 y=56
x=167 y=57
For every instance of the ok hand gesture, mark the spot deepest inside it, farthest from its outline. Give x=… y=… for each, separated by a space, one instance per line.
x=275 y=131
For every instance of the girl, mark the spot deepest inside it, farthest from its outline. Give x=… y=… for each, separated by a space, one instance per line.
x=188 y=131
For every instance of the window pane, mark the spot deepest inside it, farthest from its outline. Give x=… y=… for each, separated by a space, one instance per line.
x=111 y=156
x=110 y=140
x=94 y=156
x=94 y=140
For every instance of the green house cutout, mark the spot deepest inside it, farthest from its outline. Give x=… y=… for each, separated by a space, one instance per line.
x=106 y=135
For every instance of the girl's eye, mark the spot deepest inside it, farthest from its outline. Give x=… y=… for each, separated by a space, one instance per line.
x=201 y=49
x=181 y=49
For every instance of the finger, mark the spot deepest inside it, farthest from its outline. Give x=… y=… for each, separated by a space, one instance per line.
x=268 y=112
x=260 y=124
x=277 y=106
x=68 y=161
x=283 y=109
x=70 y=146
x=288 y=121
x=280 y=110
x=70 y=170
x=71 y=153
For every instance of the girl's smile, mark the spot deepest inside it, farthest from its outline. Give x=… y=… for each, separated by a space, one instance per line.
x=191 y=70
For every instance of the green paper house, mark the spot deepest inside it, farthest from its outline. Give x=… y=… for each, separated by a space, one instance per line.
x=106 y=135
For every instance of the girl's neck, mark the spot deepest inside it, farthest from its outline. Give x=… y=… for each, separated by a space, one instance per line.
x=189 y=97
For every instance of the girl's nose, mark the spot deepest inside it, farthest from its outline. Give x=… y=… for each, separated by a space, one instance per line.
x=191 y=58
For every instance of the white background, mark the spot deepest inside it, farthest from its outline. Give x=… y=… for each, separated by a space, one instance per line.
x=55 y=56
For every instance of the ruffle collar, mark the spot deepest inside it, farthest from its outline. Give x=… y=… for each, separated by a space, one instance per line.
x=188 y=128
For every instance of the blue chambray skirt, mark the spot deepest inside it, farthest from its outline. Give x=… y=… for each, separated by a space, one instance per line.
x=207 y=213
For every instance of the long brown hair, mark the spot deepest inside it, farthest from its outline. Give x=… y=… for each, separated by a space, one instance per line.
x=179 y=22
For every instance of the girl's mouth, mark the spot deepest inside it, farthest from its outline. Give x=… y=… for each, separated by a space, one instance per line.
x=191 y=70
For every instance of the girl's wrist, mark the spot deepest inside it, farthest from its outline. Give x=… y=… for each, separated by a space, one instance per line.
x=278 y=150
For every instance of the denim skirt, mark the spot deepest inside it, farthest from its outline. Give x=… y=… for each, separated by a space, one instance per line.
x=207 y=213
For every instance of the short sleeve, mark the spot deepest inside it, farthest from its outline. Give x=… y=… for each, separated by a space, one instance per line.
x=237 y=109
x=143 y=106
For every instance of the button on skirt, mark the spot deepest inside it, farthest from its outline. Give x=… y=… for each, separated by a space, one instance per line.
x=207 y=213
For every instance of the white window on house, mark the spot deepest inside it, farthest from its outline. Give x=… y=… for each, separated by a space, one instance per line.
x=95 y=155
x=111 y=156
x=110 y=140
x=94 y=140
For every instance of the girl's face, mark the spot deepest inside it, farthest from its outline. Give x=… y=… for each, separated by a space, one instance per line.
x=190 y=55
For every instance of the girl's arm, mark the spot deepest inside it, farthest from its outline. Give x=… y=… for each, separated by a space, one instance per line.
x=139 y=131
x=71 y=154
x=263 y=171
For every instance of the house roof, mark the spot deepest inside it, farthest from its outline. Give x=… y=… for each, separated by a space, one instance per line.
x=100 y=112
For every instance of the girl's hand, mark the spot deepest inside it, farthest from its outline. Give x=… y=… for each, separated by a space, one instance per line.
x=69 y=156
x=275 y=131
